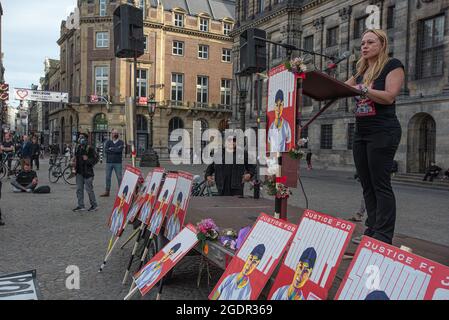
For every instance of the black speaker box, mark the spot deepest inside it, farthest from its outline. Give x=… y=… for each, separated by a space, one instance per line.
x=128 y=32
x=253 y=51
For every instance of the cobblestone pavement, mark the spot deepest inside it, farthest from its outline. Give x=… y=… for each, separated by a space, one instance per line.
x=43 y=233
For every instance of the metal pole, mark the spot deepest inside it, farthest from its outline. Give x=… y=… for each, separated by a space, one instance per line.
x=243 y=94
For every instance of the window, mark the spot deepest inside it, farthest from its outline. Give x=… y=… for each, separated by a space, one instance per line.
x=244 y=5
x=203 y=51
x=177 y=87
x=226 y=56
x=359 y=27
x=225 y=92
x=308 y=43
x=145 y=43
x=178 y=48
x=179 y=20
x=227 y=28
x=351 y=132
x=332 y=35
x=103 y=8
x=430 y=55
x=390 y=17
x=102 y=81
x=102 y=40
x=260 y=6
x=326 y=136
x=204 y=24
x=142 y=83
x=142 y=5
x=202 y=90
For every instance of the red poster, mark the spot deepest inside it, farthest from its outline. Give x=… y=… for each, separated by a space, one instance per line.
x=382 y=272
x=140 y=199
x=123 y=201
x=166 y=259
x=177 y=212
x=254 y=263
x=151 y=195
x=163 y=202
x=281 y=113
x=312 y=261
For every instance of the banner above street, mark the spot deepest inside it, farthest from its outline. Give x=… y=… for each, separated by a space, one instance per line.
x=40 y=96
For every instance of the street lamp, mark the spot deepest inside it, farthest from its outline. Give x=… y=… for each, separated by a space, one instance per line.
x=150 y=158
x=243 y=81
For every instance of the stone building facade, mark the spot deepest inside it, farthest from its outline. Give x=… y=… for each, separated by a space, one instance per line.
x=186 y=66
x=419 y=36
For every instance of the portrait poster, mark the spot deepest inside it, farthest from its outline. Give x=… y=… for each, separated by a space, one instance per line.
x=139 y=199
x=166 y=259
x=314 y=256
x=163 y=203
x=381 y=271
x=255 y=262
x=177 y=213
x=281 y=111
x=151 y=195
x=20 y=286
x=122 y=204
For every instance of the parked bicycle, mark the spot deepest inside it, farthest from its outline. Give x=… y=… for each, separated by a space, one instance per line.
x=59 y=168
x=202 y=188
x=15 y=166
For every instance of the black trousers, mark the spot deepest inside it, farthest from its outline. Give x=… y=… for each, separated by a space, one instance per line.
x=373 y=156
x=35 y=159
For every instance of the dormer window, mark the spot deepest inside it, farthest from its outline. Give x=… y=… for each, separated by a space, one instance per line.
x=179 y=20
x=204 y=24
x=227 y=27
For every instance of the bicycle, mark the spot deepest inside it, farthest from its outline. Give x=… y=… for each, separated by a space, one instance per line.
x=202 y=188
x=15 y=166
x=57 y=170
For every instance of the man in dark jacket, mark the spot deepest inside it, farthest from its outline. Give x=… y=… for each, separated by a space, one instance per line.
x=433 y=171
x=114 y=158
x=85 y=160
x=230 y=178
x=26 y=150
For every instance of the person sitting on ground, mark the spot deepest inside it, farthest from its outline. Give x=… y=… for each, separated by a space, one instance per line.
x=446 y=175
x=26 y=180
x=433 y=171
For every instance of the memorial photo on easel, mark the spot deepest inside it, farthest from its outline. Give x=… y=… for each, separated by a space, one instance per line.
x=177 y=212
x=123 y=201
x=281 y=112
x=139 y=199
x=380 y=271
x=161 y=207
x=151 y=195
x=166 y=259
x=313 y=259
x=255 y=262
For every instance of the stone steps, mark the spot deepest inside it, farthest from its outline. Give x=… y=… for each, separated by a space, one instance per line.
x=416 y=179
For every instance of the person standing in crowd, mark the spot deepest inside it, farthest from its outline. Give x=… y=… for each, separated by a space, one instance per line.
x=230 y=177
x=114 y=160
x=85 y=160
x=309 y=160
x=35 y=153
x=26 y=150
x=378 y=131
x=8 y=149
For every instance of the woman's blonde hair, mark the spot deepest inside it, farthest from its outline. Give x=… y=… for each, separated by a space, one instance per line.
x=382 y=59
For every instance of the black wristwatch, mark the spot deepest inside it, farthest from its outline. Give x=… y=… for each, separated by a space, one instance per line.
x=364 y=91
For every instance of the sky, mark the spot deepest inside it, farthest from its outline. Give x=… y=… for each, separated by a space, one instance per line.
x=30 y=29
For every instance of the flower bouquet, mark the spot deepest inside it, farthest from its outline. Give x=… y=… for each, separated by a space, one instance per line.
x=208 y=230
x=228 y=239
x=297 y=66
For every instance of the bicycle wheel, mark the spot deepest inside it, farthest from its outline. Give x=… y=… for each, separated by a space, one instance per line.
x=3 y=170
x=54 y=173
x=69 y=177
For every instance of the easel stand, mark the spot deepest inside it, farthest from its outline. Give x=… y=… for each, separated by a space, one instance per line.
x=145 y=253
x=112 y=244
x=142 y=232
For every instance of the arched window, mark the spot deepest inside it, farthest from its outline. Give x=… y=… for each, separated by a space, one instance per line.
x=100 y=123
x=175 y=123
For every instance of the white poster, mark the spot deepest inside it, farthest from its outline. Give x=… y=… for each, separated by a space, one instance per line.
x=42 y=96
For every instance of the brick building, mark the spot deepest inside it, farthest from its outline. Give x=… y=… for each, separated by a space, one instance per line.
x=187 y=66
x=419 y=37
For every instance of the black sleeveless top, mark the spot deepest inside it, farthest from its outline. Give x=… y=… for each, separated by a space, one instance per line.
x=373 y=117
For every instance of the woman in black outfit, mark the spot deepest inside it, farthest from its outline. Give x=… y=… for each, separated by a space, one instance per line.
x=378 y=131
x=35 y=153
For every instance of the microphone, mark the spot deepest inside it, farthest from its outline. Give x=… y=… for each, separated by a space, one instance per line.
x=336 y=61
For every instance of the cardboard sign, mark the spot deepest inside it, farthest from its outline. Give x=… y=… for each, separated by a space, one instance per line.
x=140 y=199
x=382 y=272
x=253 y=265
x=19 y=286
x=177 y=212
x=123 y=201
x=166 y=259
x=163 y=203
x=312 y=261
x=151 y=195
x=281 y=113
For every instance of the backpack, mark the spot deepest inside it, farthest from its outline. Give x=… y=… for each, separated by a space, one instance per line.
x=42 y=190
